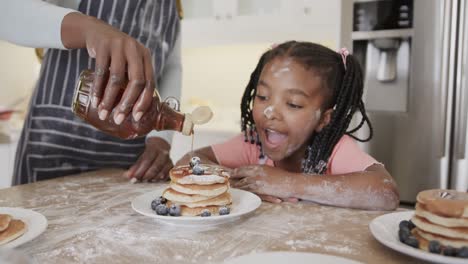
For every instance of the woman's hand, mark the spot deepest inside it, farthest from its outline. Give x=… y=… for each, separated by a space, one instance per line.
x=270 y=183
x=154 y=163
x=119 y=57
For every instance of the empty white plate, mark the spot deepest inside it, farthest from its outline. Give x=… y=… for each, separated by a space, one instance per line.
x=289 y=257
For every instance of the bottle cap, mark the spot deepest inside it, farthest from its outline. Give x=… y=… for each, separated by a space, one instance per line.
x=187 y=126
x=201 y=115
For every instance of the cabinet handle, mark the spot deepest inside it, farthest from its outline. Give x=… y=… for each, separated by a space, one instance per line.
x=461 y=108
x=446 y=59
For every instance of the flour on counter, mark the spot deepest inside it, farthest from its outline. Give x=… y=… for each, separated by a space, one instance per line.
x=91 y=220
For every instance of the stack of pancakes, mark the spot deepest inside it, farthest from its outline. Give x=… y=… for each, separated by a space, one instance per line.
x=441 y=215
x=10 y=229
x=198 y=193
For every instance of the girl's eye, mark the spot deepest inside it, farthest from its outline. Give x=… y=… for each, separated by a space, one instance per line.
x=261 y=97
x=295 y=106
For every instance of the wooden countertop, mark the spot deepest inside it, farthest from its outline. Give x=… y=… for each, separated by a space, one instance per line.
x=91 y=220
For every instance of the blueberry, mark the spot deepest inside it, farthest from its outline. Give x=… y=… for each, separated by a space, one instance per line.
x=224 y=210
x=412 y=242
x=174 y=210
x=411 y=225
x=158 y=201
x=404 y=224
x=205 y=213
x=161 y=200
x=161 y=209
x=449 y=251
x=434 y=247
x=194 y=161
x=198 y=170
x=403 y=234
x=463 y=252
x=154 y=203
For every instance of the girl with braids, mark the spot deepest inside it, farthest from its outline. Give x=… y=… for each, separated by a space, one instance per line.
x=296 y=145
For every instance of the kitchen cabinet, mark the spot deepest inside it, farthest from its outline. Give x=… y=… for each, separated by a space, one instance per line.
x=228 y=22
x=7 y=159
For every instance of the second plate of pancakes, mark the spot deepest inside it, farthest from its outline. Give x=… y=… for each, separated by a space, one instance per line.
x=243 y=203
x=25 y=225
x=385 y=229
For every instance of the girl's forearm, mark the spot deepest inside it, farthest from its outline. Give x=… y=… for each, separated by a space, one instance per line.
x=369 y=190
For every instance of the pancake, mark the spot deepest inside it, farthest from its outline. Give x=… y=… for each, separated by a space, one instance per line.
x=421 y=211
x=196 y=211
x=178 y=197
x=223 y=199
x=196 y=193
x=447 y=203
x=15 y=229
x=453 y=232
x=423 y=243
x=211 y=190
x=212 y=175
x=446 y=241
x=4 y=221
x=202 y=179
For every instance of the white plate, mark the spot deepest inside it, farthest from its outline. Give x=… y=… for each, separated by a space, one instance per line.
x=243 y=202
x=385 y=229
x=36 y=224
x=289 y=257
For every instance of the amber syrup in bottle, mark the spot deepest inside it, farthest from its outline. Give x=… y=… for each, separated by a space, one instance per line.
x=160 y=116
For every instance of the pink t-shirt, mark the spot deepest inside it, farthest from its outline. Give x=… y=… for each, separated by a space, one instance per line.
x=346 y=157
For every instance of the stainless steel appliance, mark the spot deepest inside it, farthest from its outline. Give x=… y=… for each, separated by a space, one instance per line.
x=414 y=57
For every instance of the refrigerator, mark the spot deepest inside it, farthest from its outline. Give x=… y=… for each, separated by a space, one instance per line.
x=414 y=60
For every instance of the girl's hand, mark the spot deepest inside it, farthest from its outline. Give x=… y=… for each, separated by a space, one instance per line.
x=270 y=183
x=119 y=57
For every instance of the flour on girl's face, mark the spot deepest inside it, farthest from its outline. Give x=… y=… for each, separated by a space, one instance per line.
x=268 y=112
x=278 y=71
x=315 y=118
x=318 y=114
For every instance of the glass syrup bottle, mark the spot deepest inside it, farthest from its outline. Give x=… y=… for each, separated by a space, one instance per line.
x=160 y=116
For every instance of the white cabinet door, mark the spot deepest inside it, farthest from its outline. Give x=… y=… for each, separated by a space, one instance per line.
x=5 y=178
x=226 y=9
x=7 y=159
x=231 y=22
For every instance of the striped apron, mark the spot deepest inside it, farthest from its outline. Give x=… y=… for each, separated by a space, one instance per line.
x=54 y=142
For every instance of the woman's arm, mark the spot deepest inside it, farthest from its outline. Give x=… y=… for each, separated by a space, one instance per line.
x=372 y=189
x=32 y=23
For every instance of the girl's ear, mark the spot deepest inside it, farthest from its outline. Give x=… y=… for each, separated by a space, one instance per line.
x=324 y=120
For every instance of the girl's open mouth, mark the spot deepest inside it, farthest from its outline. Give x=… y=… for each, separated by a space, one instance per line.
x=274 y=138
